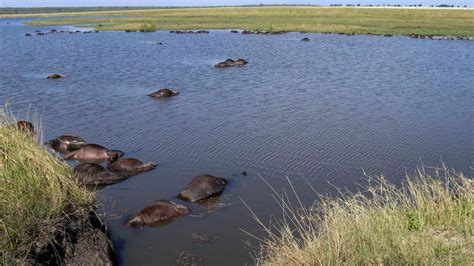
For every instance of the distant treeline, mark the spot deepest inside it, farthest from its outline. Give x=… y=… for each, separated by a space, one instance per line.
x=37 y=10
x=388 y=5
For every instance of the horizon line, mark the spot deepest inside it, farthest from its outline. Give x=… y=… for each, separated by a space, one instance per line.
x=256 y=5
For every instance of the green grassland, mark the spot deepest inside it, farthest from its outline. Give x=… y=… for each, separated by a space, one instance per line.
x=396 y=21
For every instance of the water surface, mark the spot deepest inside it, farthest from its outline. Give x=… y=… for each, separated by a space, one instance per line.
x=326 y=110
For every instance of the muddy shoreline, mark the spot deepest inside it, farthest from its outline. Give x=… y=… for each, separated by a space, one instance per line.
x=77 y=239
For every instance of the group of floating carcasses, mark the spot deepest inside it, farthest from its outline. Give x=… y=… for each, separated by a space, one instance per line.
x=189 y=31
x=90 y=172
x=264 y=32
x=173 y=31
x=39 y=33
x=261 y=32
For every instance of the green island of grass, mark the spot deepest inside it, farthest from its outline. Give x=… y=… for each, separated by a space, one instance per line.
x=347 y=20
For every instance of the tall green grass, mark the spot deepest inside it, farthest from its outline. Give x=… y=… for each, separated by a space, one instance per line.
x=427 y=221
x=36 y=190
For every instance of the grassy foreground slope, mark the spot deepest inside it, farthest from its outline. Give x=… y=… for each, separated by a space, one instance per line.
x=36 y=190
x=398 y=21
x=429 y=221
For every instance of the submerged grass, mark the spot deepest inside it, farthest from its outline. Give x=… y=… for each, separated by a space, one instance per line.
x=428 y=221
x=36 y=189
x=398 y=21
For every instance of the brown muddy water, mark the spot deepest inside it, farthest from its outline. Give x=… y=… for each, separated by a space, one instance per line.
x=326 y=110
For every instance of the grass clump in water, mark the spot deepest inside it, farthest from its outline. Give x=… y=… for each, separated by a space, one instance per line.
x=147 y=27
x=36 y=189
x=428 y=220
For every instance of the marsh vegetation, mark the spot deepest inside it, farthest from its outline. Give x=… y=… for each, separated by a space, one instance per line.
x=396 y=21
x=429 y=220
x=37 y=190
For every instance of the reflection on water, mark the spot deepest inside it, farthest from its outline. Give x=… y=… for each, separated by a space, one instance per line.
x=325 y=110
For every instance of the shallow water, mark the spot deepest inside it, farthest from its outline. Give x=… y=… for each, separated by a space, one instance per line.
x=326 y=110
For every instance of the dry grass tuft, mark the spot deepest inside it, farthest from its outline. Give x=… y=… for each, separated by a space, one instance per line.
x=428 y=220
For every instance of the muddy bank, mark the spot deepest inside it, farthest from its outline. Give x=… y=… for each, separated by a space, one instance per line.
x=79 y=239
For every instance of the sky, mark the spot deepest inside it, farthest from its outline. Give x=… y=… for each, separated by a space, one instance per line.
x=72 y=3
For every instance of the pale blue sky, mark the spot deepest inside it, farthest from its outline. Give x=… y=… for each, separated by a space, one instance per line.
x=56 y=3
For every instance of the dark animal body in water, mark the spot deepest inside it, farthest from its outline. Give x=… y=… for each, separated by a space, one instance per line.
x=27 y=34
x=165 y=92
x=94 y=174
x=55 y=76
x=432 y=37
x=305 y=40
x=234 y=31
x=263 y=32
x=24 y=126
x=130 y=165
x=158 y=211
x=93 y=153
x=203 y=187
x=66 y=143
x=189 y=31
x=231 y=63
